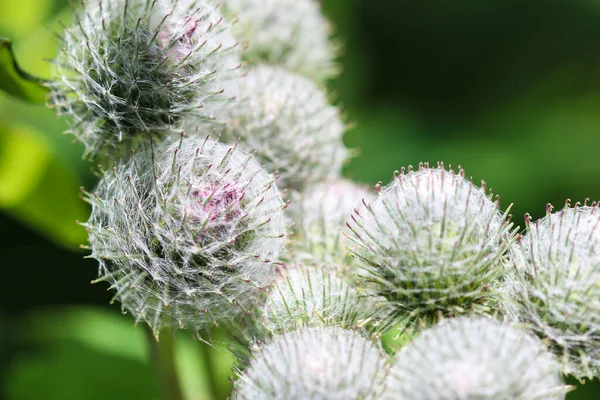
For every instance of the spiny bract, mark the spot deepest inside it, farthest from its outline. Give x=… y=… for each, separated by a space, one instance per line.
x=186 y=238
x=290 y=33
x=129 y=69
x=289 y=123
x=555 y=286
x=311 y=296
x=434 y=245
x=476 y=359
x=319 y=214
x=314 y=364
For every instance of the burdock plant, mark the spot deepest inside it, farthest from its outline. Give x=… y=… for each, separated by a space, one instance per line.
x=319 y=215
x=312 y=296
x=554 y=287
x=287 y=120
x=476 y=358
x=186 y=236
x=130 y=69
x=434 y=246
x=290 y=33
x=189 y=231
x=315 y=363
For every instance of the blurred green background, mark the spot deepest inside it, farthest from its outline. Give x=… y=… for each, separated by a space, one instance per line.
x=509 y=89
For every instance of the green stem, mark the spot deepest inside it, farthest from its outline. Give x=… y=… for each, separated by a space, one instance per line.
x=162 y=355
x=216 y=387
x=213 y=384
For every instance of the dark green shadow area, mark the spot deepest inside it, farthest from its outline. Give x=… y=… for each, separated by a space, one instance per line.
x=68 y=370
x=587 y=391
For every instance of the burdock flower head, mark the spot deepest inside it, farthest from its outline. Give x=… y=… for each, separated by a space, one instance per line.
x=129 y=69
x=555 y=285
x=312 y=296
x=319 y=214
x=186 y=236
x=476 y=358
x=290 y=33
x=289 y=123
x=314 y=363
x=434 y=244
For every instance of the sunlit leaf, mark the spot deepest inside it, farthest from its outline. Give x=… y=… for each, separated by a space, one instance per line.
x=39 y=187
x=55 y=206
x=24 y=154
x=18 y=18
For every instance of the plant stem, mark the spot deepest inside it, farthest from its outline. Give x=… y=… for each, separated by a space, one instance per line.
x=216 y=387
x=162 y=355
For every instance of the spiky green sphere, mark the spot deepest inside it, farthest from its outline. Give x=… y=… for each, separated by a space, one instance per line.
x=186 y=236
x=555 y=286
x=475 y=359
x=312 y=296
x=129 y=69
x=314 y=364
x=319 y=214
x=288 y=122
x=433 y=244
x=290 y=33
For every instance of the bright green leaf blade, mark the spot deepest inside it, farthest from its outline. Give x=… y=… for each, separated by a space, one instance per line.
x=55 y=206
x=39 y=186
x=20 y=17
x=15 y=81
x=24 y=154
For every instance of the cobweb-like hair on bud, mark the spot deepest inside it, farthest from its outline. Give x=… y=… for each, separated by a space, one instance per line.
x=129 y=69
x=433 y=244
x=187 y=236
x=476 y=358
x=314 y=296
x=289 y=123
x=290 y=33
x=319 y=214
x=555 y=286
x=314 y=363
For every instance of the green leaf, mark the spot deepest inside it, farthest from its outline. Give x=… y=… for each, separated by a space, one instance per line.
x=24 y=155
x=20 y=17
x=15 y=81
x=55 y=206
x=39 y=187
x=89 y=353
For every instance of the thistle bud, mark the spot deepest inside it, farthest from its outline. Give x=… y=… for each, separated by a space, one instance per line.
x=289 y=123
x=314 y=363
x=314 y=296
x=186 y=237
x=290 y=33
x=555 y=286
x=319 y=214
x=469 y=358
x=434 y=245
x=129 y=69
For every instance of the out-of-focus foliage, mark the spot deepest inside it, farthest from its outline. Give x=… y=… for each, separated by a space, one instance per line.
x=15 y=81
x=41 y=171
x=510 y=90
x=86 y=353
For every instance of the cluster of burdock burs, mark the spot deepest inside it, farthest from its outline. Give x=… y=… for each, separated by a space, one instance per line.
x=206 y=115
